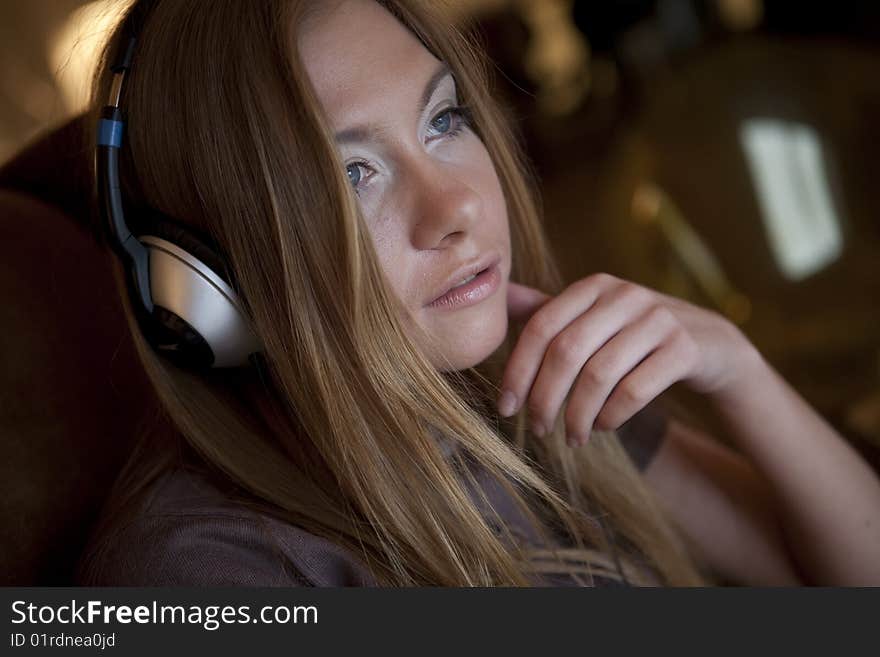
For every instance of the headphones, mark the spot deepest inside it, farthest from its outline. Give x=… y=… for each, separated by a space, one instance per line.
x=181 y=295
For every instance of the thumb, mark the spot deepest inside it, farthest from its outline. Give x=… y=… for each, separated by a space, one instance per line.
x=523 y=301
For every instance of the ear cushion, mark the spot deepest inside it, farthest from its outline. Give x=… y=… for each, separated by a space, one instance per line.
x=179 y=341
x=172 y=335
x=191 y=240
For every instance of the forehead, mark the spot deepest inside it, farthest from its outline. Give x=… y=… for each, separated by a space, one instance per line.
x=360 y=59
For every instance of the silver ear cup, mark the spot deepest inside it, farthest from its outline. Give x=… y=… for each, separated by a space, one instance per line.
x=187 y=287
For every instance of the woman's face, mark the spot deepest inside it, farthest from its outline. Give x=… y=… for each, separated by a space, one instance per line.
x=426 y=185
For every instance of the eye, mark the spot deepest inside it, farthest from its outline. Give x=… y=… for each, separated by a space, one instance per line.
x=354 y=172
x=451 y=121
x=443 y=122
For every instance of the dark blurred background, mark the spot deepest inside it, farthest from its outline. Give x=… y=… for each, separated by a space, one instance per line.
x=723 y=151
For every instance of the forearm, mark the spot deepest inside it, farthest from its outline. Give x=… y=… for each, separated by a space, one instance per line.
x=828 y=497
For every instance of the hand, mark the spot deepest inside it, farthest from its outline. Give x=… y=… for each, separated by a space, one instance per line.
x=611 y=346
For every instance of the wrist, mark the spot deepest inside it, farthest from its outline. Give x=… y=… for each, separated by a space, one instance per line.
x=747 y=372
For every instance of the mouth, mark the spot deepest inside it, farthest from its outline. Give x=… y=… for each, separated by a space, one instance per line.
x=472 y=289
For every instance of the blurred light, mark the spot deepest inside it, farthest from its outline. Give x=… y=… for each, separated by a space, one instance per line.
x=788 y=172
x=558 y=56
x=73 y=49
x=741 y=15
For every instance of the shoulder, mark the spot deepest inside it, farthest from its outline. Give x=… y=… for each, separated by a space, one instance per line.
x=190 y=534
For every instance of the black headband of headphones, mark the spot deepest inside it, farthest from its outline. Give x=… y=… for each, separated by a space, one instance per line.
x=109 y=141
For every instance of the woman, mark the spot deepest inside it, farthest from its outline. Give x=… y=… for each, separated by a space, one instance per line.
x=351 y=168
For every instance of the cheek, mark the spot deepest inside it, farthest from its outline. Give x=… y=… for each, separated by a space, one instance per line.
x=396 y=257
x=486 y=183
x=389 y=245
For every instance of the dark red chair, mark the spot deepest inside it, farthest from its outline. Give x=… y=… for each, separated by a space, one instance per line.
x=72 y=394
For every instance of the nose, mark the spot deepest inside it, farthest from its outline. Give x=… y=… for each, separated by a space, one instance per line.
x=445 y=207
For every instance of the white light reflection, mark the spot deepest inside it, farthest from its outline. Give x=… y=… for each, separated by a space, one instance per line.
x=788 y=171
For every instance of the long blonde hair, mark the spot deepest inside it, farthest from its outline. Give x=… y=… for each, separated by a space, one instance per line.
x=337 y=430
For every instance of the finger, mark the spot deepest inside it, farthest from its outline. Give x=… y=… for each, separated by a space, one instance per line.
x=574 y=346
x=666 y=365
x=525 y=358
x=609 y=365
x=523 y=301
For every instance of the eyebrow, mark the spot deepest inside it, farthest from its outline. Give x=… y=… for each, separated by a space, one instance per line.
x=360 y=133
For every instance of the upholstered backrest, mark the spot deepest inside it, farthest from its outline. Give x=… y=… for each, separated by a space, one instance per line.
x=72 y=393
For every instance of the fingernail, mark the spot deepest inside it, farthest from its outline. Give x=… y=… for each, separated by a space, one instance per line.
x=506 y=403
x=538 y=428
x=577 y=439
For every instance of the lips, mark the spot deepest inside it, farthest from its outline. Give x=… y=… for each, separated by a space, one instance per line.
x=465 y=271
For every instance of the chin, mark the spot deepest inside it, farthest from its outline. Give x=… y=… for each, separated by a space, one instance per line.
x=473 y=340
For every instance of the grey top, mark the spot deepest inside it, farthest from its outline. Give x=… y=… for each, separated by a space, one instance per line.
x=191 y=534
